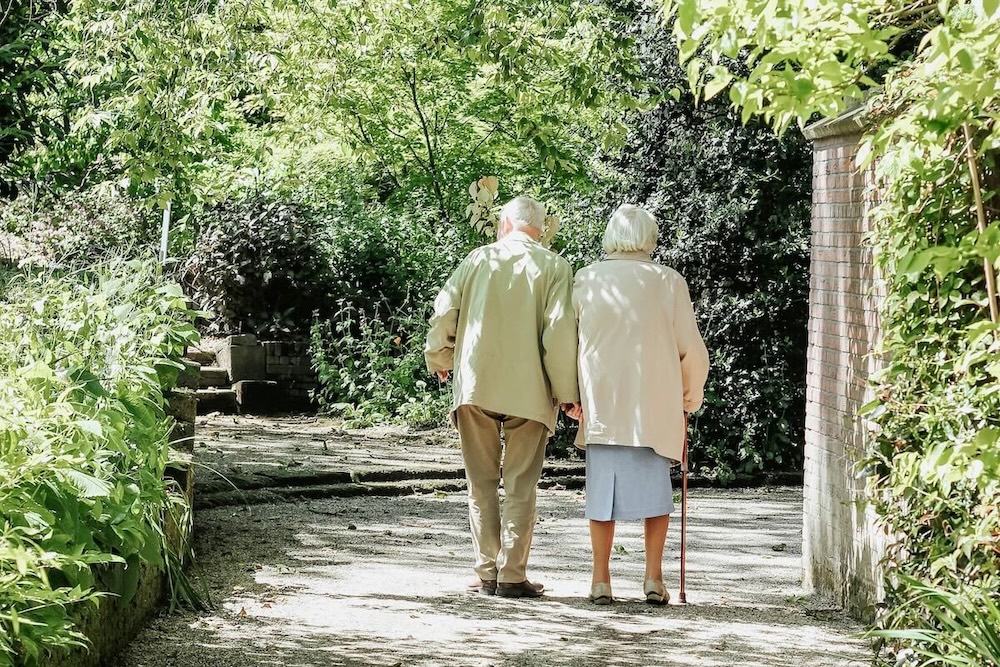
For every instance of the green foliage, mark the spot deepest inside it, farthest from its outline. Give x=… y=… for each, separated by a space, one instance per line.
x=27 y=67
x=372 y=371
x=803 y=58
x=392 y=259
x=260 y=267
x=434 y=95
x=83 y=444
x=81 y=227
x=971 y=621
x=935 y=467
x=179 y=101
x=148 y=92
x=932 y=148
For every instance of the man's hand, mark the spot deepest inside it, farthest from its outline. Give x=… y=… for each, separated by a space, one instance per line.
x=443 y=375
x=573 y=410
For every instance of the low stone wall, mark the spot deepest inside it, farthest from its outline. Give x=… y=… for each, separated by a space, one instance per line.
x=290 y=365
x=114 y=622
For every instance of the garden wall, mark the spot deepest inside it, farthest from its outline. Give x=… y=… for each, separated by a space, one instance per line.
x=841 y=546
x=290 y=365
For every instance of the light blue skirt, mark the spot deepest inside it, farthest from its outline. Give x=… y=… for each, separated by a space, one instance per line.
x=626 y=483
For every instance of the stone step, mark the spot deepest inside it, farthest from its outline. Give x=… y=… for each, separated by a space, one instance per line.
x=295 y=493
x=215 y=399
x=258 y=397
x=203 y=357
x=214 y=376
x=190 y=377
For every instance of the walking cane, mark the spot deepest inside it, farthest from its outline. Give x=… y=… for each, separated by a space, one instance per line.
x=684 y=499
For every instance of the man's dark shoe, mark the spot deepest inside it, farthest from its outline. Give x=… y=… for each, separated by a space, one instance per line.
x=484 y=586
x=525 y=589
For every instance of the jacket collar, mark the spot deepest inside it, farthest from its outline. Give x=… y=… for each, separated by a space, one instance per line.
x=518 y=236
x=638 y=256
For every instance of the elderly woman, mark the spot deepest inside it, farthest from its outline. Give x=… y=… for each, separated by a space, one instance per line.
x=642 y=366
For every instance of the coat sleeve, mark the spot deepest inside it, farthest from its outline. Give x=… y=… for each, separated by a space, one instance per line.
x=693 y=353
x=439 y=350
x=559 y=342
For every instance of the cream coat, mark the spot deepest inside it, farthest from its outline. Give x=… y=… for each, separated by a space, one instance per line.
x=504 y=323
x=642 y=361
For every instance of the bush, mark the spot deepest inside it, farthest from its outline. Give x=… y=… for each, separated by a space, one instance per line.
x=372 y=370
x=392 y=261
x=83 y=445
x=260 y=267
x=81 y=227
x=388 y=267
x=934 y=464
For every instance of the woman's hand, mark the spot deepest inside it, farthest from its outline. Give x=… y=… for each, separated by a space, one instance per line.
x=573 y=410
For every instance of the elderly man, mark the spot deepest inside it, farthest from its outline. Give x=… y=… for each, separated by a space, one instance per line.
x=504 y=323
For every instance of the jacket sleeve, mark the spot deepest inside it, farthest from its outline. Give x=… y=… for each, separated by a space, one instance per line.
x=439 y=350
x=559 y=342
x=693 y=353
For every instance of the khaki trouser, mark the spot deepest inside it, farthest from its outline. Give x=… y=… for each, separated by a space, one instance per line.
x=501 y=544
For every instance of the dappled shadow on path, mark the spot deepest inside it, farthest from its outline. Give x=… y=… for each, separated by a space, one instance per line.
x=380 y=581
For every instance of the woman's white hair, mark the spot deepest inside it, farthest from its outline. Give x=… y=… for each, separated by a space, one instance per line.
x=630 y=229
x=524 y=211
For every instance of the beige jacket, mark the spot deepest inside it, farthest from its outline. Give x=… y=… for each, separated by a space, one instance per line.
x=643 y=363
x=504 y=323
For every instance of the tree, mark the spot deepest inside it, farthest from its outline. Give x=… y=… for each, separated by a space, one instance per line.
x=428 y=98
x=27 y=67
x=149 y=93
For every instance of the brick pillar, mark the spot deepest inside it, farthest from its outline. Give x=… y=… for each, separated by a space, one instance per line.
x=841 y=546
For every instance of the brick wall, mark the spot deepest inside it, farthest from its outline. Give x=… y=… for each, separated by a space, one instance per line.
x=289 y=364
x=841 y=546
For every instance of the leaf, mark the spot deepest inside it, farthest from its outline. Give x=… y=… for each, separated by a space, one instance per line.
x=720 y=79
x=88 y=485
x=91 y=427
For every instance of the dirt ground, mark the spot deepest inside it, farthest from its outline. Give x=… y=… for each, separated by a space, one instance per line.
x=381 y=581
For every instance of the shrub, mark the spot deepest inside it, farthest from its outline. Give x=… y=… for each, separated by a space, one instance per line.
x=964 y=628
x=83 y=444
x=934 y=463
x=81 y=227
x=372 y=370
x=260 y=267
x=393 y=261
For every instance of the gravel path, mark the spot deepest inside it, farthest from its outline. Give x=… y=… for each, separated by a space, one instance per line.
x=380 y=581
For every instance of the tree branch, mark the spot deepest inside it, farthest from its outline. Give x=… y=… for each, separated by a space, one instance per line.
x=411 y=79
x=977 y=195
x=366 y=138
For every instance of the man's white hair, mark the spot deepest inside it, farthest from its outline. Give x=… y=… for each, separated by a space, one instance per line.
x=524 y=211
x=630 y=229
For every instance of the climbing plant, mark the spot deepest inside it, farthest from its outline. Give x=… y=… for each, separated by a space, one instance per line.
x=934 y=467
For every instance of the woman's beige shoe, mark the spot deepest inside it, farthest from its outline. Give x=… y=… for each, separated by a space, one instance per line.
x=600 y=593
x=655 y=592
